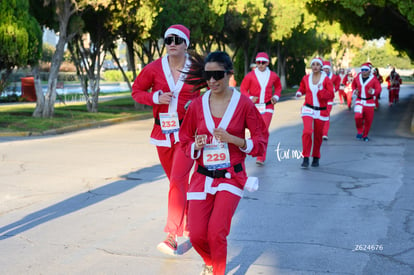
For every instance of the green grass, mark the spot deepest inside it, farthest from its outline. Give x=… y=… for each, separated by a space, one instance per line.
x=18 y=118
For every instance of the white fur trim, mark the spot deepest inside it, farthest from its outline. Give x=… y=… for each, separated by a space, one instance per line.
x=194 y=151
x=249 y=146
x=196 y=196
x=178 y=33
x=162 y=143
x=276 y=97
x=252 y=184
x=298 y=94
x=316 y=60
x=156 y=97
x=262 y=59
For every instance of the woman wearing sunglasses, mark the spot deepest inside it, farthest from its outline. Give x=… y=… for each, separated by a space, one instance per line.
x=258 y=85
x=161 y=85
x=213 y=133
x=318 y=90
x=366 y=87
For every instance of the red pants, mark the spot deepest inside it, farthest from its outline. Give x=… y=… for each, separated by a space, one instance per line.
x=177 y=166
x=327 y=123
x=315 y=127
x=394 y=95
x=342 y=96
x=267 y=118
x=363 y=121
x=209 y=222
x=349 y=99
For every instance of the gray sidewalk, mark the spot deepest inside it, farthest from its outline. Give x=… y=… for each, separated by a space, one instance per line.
x=94 y=202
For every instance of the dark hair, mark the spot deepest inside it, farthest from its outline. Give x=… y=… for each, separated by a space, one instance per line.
x=195 y=74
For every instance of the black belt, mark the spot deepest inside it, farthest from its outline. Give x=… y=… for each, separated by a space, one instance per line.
x=365 y=98
x=315 y=107
x=218 y=173
x=269 y=102
x=158 y=122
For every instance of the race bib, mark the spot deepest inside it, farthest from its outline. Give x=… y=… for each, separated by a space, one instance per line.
x=358 y=108
x=307 y=111
x=261 y=107
x=216 y=156
x=169 y=123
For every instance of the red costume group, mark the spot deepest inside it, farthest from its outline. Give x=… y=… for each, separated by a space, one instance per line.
x=219 y=177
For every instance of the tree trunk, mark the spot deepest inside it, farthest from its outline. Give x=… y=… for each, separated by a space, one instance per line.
x=65 y=11
x=128 y=81
x=281 y=66
x=40 y=97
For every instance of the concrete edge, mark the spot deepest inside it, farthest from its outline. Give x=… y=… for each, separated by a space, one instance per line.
x=412 y=124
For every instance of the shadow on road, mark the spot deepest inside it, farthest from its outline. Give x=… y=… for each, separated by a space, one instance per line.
x=83 y=200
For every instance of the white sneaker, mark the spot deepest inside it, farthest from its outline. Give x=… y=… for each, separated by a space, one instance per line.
x=207 y=270
x=325 y=137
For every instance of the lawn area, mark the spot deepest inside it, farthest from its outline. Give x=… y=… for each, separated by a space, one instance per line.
x=18 y=117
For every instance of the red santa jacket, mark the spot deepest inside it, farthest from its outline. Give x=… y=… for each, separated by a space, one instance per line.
x=336 y=81
x=156 y=78
x=394 y=82
x=240 y=114
x=347 y=81
x=316 y=96
x=366 y=90
x=341 y=81
x=260 y=84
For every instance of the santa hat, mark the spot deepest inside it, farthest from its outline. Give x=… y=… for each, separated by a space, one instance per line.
x=326 y=65
x=366 y=65
x=317 y=60
x=180 y=31
x=262 y=56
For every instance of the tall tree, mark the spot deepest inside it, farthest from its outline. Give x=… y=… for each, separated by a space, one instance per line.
x=88 y=50
x=393 y=19
x=132 y=22
x=243 y=27
x=20 y=38
x=59 y=14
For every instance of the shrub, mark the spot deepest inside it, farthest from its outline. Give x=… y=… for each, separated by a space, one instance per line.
x=116 y=76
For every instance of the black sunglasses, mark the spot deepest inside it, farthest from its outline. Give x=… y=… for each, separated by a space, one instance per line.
x=177 y=40
x=261 y=62
x=217 y=75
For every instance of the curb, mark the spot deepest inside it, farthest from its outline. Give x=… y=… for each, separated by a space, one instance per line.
x=412 y=124
x=77 y=127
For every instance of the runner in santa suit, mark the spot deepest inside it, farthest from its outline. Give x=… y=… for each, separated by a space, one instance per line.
x=341 y=91
x=258 y=85
x=377 y=74
x=160 y=85
x=213 y=133
x=336 y=81
x=348 y=79
x=394 y=81
x=366 y=86
x=318 y=91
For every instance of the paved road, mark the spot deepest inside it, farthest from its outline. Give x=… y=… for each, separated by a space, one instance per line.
x=94 y=202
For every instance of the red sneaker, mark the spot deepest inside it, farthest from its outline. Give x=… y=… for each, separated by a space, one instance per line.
x=169 y=246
